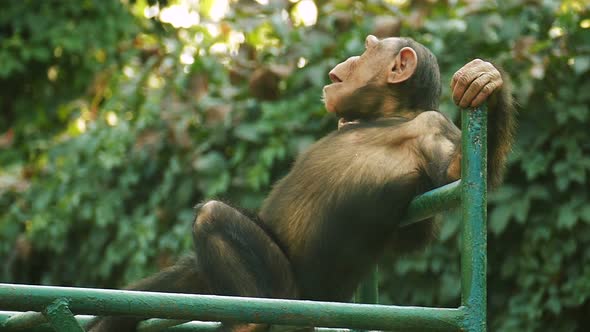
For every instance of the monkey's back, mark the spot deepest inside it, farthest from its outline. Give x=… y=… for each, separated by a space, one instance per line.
x=340 y=204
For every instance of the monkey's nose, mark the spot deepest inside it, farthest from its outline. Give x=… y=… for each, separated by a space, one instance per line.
x=334 y=78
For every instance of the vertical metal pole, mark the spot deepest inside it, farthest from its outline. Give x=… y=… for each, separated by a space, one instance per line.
x=61 y=318
x=474 y=197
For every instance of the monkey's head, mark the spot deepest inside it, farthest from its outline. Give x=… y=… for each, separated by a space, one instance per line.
x=393 y=76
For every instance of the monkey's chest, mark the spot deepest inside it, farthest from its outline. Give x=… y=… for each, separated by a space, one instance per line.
x=382 y=179
x=355 y=196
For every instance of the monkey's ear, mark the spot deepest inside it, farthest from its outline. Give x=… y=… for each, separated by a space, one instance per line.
x=403 y=66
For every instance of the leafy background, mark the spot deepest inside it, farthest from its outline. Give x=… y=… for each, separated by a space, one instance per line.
x=117 y=116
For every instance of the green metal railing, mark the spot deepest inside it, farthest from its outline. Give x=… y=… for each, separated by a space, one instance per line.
x=43 y=308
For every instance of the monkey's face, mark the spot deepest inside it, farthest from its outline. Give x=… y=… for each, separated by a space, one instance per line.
x=354 y=72
x=378 y=66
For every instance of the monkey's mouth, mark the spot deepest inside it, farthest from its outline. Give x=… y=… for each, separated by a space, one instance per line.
x=342 y=122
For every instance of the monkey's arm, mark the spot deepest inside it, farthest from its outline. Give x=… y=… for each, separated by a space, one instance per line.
x=472 y=85
x=480 y=81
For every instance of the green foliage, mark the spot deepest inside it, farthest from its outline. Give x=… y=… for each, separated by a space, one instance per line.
x=51 y=53
x=116 y=120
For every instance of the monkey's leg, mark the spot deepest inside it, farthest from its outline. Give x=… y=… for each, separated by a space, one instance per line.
x=183 y=277
x=239 y=257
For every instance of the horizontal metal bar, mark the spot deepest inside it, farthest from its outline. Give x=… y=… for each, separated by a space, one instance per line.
x=84 y=320
x=194 y=326
x=433 y=202
x=224 y=308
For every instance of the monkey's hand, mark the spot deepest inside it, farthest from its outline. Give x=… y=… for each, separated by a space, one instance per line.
x=474 y=83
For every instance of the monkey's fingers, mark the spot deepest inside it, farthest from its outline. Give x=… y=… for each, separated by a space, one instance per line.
x=484 y=93
x=474 y=89
x=465 y=76
x=466 y=83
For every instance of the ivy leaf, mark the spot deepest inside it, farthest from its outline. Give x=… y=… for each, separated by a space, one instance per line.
x=521 y=210
x=499 y=218
x=210 y=163
x=248 y=132
x=581 y=64
x=566 y=217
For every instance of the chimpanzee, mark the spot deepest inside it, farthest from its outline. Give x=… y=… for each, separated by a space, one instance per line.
x=325 y=224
